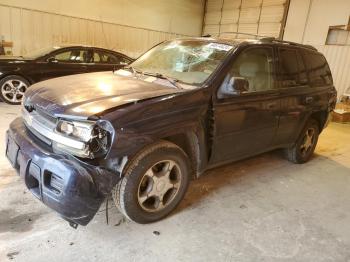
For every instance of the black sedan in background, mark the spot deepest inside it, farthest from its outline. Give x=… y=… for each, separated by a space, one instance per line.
x=18 y=73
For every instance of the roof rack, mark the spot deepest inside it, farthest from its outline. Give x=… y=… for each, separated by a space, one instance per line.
x=273 y=39
x=269 y=39
x=239 y=33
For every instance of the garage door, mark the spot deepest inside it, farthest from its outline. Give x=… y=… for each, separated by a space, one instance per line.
x=257 y=17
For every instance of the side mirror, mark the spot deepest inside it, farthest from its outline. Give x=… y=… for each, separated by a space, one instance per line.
x=240 y=84
x=234 y=86
x=52 y=60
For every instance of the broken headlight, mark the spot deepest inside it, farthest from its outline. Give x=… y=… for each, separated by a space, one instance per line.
x=79 y=130
x=95 y=137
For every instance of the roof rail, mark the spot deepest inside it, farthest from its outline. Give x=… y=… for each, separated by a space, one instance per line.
x=273 y=39
x=239 y=33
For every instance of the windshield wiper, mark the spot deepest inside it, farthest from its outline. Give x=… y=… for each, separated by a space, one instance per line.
x=171 y=80
x=133 y=70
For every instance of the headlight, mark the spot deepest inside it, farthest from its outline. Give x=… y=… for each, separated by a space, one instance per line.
x=96 y=137
x=80 y=130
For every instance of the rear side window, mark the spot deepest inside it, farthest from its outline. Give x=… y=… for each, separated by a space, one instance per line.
x=105 y=58
x=317 y=68
x=291 y=68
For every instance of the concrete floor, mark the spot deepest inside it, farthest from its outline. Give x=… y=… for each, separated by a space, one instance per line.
x=260 y=209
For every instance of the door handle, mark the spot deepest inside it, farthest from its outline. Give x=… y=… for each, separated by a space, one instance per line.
x=271 y=105
x=309 y=100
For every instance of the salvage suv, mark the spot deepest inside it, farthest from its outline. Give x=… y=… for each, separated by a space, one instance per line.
x=185 y=106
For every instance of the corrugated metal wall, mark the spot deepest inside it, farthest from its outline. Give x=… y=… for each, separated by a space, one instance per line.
x=31 y=30
x=338 y=58
x=226 y=17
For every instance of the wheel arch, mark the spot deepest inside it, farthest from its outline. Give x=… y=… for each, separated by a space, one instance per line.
x=192 y=144
x=320 y=117
x=18 y=75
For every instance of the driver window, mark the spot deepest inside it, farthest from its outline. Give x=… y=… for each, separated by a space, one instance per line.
x=254 y=65
x=74 y=55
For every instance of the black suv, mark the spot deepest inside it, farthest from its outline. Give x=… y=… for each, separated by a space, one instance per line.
x=143 y=132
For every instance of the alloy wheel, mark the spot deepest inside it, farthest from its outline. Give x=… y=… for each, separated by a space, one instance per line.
x=159 y=186
x=13 y=90
x=308 y=141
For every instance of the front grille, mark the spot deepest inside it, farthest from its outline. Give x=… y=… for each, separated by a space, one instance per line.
x=46 y=116
x=43 y=126
x=41 y=118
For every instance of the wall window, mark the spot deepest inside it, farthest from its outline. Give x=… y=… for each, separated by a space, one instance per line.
x=338 y=37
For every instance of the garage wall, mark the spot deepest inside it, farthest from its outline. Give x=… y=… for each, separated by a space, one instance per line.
x=129 y=26
x=308 y=23
x=227 y=17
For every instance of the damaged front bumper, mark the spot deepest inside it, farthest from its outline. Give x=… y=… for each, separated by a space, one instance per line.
x=69 y=186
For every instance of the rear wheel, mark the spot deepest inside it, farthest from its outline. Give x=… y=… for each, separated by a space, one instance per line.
x=12 y=89
x=155 y=182
x=305 y=146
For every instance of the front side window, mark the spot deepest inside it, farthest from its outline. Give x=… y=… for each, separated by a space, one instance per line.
x=75 y=55
x=188 y=61
x=254 y=65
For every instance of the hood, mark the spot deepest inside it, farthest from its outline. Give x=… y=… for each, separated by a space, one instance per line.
x=13 y=59
x=84 y=95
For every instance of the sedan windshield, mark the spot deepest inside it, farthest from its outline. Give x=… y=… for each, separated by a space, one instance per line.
x=40 y=52
x=187 y=61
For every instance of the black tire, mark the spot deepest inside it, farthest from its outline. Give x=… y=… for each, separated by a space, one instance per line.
x=126 y=192
x=298 y=154
x=15 y=97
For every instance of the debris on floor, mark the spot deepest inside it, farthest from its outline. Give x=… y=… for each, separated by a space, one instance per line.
x=12 y=255
x=156 y=233
x=122 y=220
x=341 y=112
x=242 y=206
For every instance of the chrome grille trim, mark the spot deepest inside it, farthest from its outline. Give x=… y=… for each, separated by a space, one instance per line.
x=47 y=128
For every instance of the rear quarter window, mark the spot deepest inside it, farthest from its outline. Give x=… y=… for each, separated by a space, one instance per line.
x=317 y=68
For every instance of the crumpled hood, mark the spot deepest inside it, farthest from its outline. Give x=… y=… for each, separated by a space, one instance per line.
x=89 y=94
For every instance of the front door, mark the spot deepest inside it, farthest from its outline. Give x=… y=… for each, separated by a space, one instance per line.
x=245 y=124
x=64 y=62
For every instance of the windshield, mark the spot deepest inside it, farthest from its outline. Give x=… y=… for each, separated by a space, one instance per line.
x=187 y=61
x=40 y=52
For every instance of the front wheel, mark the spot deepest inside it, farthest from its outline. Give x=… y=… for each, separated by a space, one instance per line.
x=305 y=146
x=12 y=89
x=154 y=183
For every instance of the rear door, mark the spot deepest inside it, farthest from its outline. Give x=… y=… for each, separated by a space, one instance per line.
x=246 y=124
x=67 y=61
x=301 y=82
